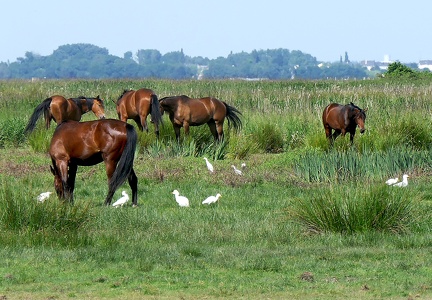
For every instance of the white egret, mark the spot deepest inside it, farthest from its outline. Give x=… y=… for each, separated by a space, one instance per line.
x=212 y=199
x=43 y=196
x=392 y=181
x=237 y=171
x=181 y=200
x=404 y=181
x=209 y=165
x=120 y=202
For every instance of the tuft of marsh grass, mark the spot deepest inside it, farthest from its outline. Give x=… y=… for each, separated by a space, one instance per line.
x=381 y=208
x=44 y=222
x=340 y=165
x=269 y=138
x=12 y=132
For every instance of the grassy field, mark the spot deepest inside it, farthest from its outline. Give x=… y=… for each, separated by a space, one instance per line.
x=303 y=222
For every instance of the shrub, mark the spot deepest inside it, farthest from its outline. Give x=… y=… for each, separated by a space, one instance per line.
x=399 y=70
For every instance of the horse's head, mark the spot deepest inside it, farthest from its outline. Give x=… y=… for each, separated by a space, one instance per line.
x=98 y=107
x=359 y=117
x=58 y=183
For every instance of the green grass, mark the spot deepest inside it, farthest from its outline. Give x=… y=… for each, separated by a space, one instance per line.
x=304 y=222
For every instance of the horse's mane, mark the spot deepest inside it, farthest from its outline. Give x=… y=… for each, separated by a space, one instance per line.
x=88 y=100
x=124 y=92
x=355 y=106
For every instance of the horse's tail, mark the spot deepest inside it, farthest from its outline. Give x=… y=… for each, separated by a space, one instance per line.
x=155 y=112
x=233 y=117
x=125 y=164
x=41 y=108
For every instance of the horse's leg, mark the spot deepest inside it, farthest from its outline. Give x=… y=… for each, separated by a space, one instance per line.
x=220 y=132
x=215 y=132
x=328 y=133
x=47 y=120
x=137 y=120
x=71 y=180
x=352 y=133
x=143 y=121
x=133 y=183
x=177 y=131
x=110 y=167
x=156 y=130
x=62 y=167
x=335 y=134
x=186 y=128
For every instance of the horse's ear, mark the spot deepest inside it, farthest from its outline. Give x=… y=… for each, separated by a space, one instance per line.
x=98 y=97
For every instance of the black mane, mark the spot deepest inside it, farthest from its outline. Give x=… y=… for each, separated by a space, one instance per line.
x=88 y=100
x=124 y=92
x=355 y=106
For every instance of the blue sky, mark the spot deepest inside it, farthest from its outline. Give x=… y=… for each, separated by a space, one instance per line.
x=325 y=29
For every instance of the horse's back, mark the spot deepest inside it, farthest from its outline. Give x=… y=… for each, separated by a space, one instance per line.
x=332 y=113
x=143 y=99
x=131 y=102
x=144 y=93
x=96 y=133
x=63 y=109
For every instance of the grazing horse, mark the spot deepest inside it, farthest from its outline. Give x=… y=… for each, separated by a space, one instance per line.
x=343 y=119
x=184 y=112
x=137 y=105
x=60 y=109
x=89 y=143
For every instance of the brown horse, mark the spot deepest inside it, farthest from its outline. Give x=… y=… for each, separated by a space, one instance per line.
x=137 y=105
x=343 y=119
x=60 y=109
x=89 y=143
x=184 y=112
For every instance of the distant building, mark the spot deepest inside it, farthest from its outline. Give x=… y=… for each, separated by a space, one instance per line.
x=425 y=64
x=369 y=64
x=372 y=64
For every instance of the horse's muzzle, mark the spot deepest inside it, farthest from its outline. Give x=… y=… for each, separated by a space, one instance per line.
x=102 y=117
x=362 y=130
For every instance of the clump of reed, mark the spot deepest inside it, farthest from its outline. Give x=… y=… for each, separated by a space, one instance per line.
x=50 y=222
x=355 y=210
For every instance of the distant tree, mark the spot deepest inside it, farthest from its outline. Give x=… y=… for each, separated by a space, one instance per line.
x=175 y=57
x=343 y=71
x=347 y=61
x=128 y=55
x=148 y=57
x=397 y=69
x=89 y=61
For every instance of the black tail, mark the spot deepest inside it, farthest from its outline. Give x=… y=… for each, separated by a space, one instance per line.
x=125 y=164
x=41 y=108
x=155 y=112
x=233 y=116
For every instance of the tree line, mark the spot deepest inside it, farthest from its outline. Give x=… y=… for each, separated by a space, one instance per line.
x=90 y=61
